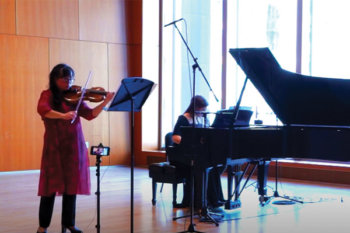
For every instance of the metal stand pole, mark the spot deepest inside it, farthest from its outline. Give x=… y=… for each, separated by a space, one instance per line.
x=98 y=162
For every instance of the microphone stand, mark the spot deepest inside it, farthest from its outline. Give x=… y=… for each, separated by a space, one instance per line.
x=191 y=227
x=204 y=208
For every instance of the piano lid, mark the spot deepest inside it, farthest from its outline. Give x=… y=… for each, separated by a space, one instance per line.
x=295 y=98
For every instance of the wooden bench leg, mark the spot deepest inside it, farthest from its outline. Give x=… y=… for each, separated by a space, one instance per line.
x=154 y=192
x=174 y=193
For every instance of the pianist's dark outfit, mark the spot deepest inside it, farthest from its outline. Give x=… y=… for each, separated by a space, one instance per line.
x=214 y=192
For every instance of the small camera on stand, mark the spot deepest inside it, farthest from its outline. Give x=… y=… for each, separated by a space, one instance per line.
x=99 y=150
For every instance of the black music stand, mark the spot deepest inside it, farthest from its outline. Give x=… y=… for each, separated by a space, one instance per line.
x=131 y=95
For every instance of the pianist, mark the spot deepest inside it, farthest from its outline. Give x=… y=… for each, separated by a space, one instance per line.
x=214 y=192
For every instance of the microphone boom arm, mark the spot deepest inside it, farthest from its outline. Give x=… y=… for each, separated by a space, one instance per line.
x=174 y=22
x=195 y=62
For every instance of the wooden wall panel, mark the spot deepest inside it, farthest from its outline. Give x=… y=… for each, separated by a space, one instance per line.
x=114 y=21
x=102 y=20
x=133 y=20
x=120 y=127
x=48 y=18
x=35 y=35
x=23 y=75
x=7 y=16
x=85 y=57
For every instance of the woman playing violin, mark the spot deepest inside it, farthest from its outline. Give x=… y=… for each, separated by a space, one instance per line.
x=65 y=163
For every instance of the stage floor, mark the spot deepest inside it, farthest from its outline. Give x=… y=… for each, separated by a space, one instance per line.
x=326 y=208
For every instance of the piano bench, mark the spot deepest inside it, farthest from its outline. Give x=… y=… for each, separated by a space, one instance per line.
x=164 y=173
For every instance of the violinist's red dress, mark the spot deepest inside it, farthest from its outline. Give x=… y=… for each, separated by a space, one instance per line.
x=65 y=161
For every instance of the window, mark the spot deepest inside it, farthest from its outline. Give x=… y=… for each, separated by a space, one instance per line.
x=257 y=23
x=202 y=31
x=326 y=38
x=249 y=23
x=150 y=66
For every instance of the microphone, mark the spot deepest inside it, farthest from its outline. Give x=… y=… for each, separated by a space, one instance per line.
x=173 y=22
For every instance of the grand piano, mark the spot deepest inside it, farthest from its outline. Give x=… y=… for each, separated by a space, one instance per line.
x=315 y=113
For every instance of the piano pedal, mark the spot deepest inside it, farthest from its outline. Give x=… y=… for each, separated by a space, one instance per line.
x=211 y=219
x=230 y=205
x=264 y=200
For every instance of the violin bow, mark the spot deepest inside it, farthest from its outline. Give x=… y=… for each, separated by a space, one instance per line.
x=82 y=95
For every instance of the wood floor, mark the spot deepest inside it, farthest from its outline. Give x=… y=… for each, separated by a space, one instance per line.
x=327 y=207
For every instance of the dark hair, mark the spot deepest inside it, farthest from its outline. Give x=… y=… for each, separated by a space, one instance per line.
x=59 y=71
x=199 y=102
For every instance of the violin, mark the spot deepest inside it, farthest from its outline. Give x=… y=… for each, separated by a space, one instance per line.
x=94 y=94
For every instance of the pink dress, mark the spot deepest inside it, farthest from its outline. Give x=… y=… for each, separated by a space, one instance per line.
x=65 y=161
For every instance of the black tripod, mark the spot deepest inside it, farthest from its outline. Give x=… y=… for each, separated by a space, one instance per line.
x=191 y=226
x=98 y=162
x=204 y=214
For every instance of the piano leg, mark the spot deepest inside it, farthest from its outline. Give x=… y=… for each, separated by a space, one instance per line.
x=263 y=169
x=238 y=176
x=233 y=171
x=230 y=173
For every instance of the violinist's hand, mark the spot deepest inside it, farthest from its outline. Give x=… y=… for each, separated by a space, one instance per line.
x=69 y=115
x=98 y=109
x=109 y=97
